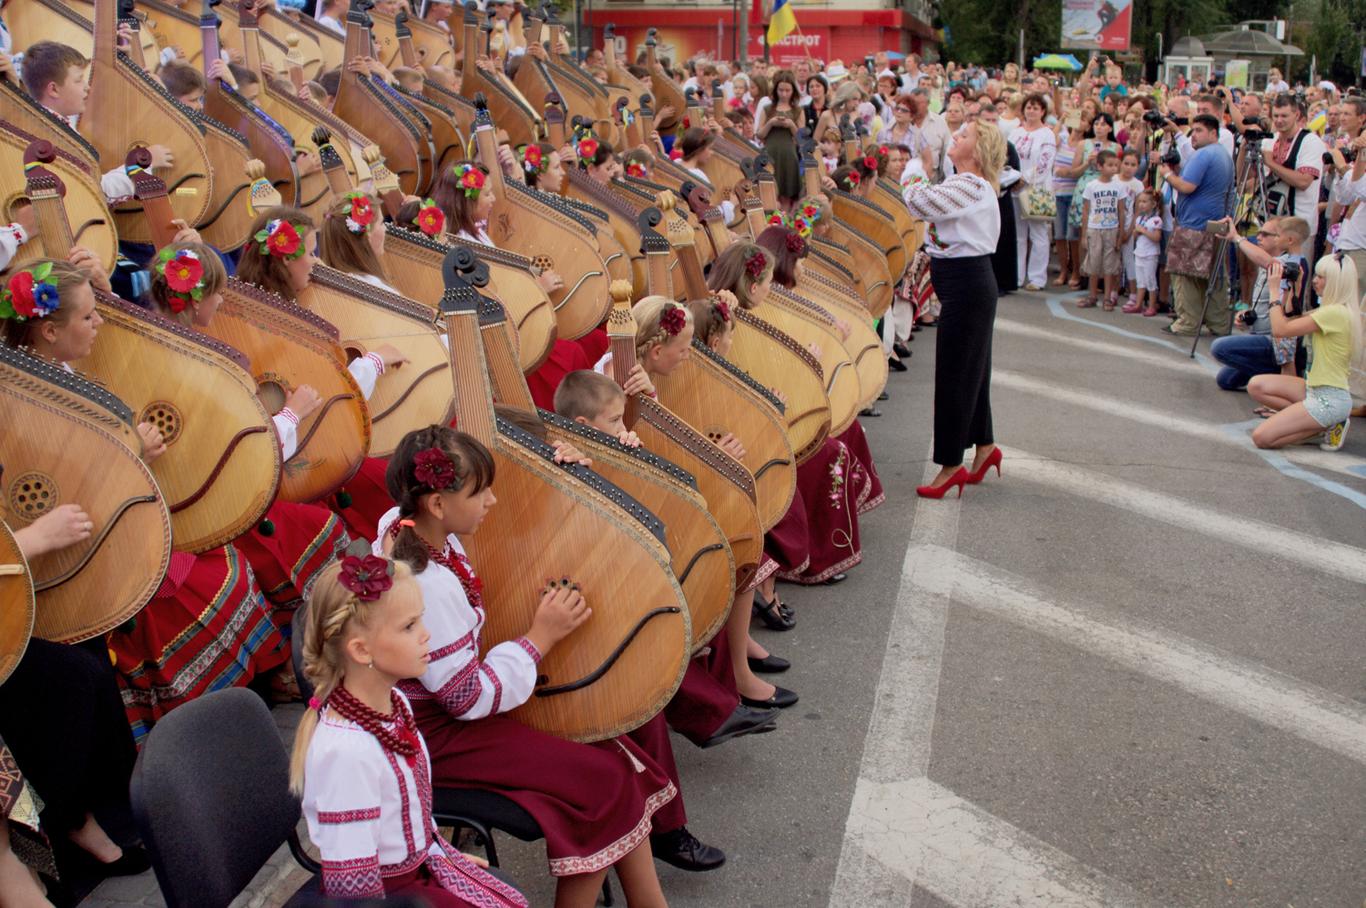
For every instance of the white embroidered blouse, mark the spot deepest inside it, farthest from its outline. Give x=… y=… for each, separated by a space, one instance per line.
x=964 y=217
x=465 y=686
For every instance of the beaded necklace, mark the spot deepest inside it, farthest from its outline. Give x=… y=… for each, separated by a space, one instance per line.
x=401 y=739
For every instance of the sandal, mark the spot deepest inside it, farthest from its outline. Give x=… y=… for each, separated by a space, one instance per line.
x=1264 y=412
x=1132 y=307
x=1088 y=303
x=771 y=613
x=1074 y=284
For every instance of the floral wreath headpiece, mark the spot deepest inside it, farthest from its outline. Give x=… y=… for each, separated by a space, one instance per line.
x=586 y=149
x=673 y=320
x=638 y=170
x=756 y=264
x=280 y=239
x=434 y=469
x=431 y=220
x=361 y=214
x=29 y=294
x=800 y=226
x=533 y=159
x=365 y=575
x=183 y=273
x=470 y=177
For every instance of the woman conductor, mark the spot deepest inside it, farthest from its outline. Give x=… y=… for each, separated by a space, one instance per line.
x=965 y=223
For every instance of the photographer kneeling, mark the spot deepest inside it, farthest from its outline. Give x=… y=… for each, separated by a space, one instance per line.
x=1258 y=353
x=1319 y=403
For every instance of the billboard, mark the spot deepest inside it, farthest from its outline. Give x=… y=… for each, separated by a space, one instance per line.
x=1096 y=24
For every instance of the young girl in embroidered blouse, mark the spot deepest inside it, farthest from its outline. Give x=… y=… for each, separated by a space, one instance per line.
x=595 y=803
x=352 y=239
x=359 y=762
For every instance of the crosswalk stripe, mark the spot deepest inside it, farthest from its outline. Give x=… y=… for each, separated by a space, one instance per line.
x=1316 y=715
x=1320 y=554
x=1238 y=435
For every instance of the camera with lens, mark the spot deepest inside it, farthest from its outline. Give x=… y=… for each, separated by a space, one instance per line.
x=1348 y=154
x=1154 y=118
x=1172 y=158
x=1257 y=134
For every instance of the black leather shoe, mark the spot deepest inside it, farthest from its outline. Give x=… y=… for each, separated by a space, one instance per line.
x=896 y=365
x=901 y=349
x=870 y=412
x=682 y=849
x=772 y=614
x=884 y=396
x=744 y=721
x=769 y=665
x=133 y=861
x=838 y=578
x=782 y=698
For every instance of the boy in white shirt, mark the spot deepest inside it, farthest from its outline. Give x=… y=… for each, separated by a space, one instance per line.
x=1147 y=251
x=1102 y=219
x=1128 y=169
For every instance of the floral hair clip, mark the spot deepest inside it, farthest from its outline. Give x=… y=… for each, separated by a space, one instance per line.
x=637 y=169
x=722 y=310
x=587 y=149
x=361 y=215
x=366 y=575
x=431 y=220
x=756 y=264
x=433 y=468
x=471 y=179
x=851 y=179
x=802 y=226
x=795 y=244
x=533 y=161
x=183 y=273
x=812 y=213
x=676 y=154
x=870 y=161
x=673 y=320
x=280 y=239
x=777 y=219
x=28 y=294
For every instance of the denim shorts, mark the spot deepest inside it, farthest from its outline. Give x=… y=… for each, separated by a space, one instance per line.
x=1328 y=405
x=1061 y=229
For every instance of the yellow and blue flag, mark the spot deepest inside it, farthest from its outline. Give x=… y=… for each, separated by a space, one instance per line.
x=783 y=21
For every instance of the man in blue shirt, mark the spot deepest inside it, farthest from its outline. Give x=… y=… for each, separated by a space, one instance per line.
x=1205 y=186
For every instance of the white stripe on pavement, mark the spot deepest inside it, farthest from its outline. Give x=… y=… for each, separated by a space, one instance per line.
x=961 y=853
x=1173 y=360
x=1315 y=552
x=1316 y=715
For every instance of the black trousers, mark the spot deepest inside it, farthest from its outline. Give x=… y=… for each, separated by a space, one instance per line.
x=966 y=288
x=62 y=717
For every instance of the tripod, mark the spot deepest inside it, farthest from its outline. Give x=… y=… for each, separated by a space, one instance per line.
x=1253 y=210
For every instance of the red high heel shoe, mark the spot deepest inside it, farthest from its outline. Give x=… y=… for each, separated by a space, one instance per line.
x=994 y=460
x=957 y=479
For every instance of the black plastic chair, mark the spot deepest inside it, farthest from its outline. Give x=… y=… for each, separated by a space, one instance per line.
x=211 y=799
x=456 y=808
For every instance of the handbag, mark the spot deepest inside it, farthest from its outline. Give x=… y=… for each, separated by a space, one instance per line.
x=1038 y=203
x=1190 y=252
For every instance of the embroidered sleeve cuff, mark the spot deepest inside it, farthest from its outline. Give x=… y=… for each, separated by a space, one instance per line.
x=378 y=362
x=1311 y=171
x=290 y=415
x=529 y=648
x=18 y=231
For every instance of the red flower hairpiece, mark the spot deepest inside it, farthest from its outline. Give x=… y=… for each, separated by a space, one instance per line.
x=851 y=178
x=431 y=220
x=673 y=320
x=777 y=219
x=433 y=468
x=532 y=159
x=795 y=244
x=279 y=239
x=637 y=169
x=361 y=214
x=367 y=576
x=870 y=162
x=756 y=264
x=587 y=148
x=28 y=294
x=183 y=273
x=470 y=177
x=722 y=310
x=676 y=154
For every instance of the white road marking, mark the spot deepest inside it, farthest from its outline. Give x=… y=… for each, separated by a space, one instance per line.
x=1316 y=715
x=903 y=829
x=1314 y=552
x=1173 y=360
x=1167 y=421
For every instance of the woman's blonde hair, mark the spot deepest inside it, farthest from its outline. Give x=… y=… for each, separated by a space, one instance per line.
x=730 y=271
x=333 y=611
x=66 y=277
x=1340 y=289
x=990 y=152
x=648 y=313
x=347 y=251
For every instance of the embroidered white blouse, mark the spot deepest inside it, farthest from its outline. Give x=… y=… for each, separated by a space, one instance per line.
x=965 y=219
x=466 y=686
x=366 y=370
x=369 y=813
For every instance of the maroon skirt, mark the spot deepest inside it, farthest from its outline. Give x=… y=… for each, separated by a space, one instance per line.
x=828 y=484
x=454 y=882
x=868 y=488
x=594 y=802
x=707 y=696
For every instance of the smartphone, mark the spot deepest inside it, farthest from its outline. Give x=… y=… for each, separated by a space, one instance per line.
x=1215 y=227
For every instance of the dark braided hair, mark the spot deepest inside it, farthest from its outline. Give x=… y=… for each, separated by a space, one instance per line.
x=473 y=463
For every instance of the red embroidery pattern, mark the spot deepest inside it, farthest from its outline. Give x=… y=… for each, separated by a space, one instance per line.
x=621 y=847
x=442 y=652
x=529 y=648
x=497 y=687
x=353 y=879
x=338 y=817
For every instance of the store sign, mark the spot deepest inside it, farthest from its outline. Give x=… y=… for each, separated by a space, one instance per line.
x=796 y=46
x=1096 y=24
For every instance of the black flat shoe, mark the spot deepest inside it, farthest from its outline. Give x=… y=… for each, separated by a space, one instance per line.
x=901 y=349
x=681 y=849
x=769 y=665
x=884 y=396
x=838 y=578
x=771 y=613
x=896 y=365
x=782 y=698
x=132 y=862
x=744 y=721
x=917 y=327
x=870 y=412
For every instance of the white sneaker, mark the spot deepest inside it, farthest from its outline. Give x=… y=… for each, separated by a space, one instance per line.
x=1335 y=436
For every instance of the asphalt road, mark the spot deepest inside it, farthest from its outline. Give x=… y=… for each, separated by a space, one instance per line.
x=1129 y=672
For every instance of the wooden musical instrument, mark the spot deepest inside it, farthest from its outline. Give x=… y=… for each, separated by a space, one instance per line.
x=430 y=43
x=370 y=108
x=312 y=39
x=616 y=73
x=414 y=56
x=94 y=225
x=666 y=91
x=621 y=666
x=416 y=394
x=515 y=114
x=275 y=31
x=64 y=21
x=545 y=228
x=413 y=262
x=698 y=551
x=16 y=602
x=60 y=426
x=289 y=346
x=218 y=475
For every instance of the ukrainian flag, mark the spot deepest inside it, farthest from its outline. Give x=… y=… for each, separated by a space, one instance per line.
x=783 y=21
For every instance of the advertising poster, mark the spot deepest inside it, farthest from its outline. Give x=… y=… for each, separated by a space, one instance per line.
x=1102 y=25
x=1236 y=73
